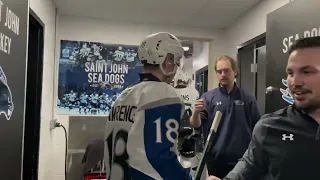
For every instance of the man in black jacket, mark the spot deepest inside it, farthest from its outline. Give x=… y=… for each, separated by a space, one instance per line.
x=285 y=144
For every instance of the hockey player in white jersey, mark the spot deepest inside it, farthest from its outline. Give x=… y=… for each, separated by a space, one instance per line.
x=189 y=139
x=143 y=125
x=118 y=54
x=187 y=93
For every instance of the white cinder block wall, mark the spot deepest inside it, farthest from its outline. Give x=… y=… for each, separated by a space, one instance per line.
x=45 y=10
x=251 y=25
x=88 y=29
x=198 y=60
x=200 y=55
x=247 y=27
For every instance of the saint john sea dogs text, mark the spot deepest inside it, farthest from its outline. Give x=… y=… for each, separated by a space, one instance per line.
x=113 y=73
x=11 y=21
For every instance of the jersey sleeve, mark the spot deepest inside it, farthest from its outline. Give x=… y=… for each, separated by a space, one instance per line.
x=195 y=95
x=204 y=114
x=161 y=133
x=254 y=162
x=153 y=142
x=107 y=154
x=161 y=130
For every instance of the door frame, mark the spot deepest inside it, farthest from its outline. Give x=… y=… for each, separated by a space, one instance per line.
x=253 y=41
x=261 y=82
x=199 y=71
x=30 y=169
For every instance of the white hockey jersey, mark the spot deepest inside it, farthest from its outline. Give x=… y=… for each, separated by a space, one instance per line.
x=141 y=134
x=188 y=95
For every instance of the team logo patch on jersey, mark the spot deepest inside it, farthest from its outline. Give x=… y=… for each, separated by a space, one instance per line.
x=238 y=103
x=286 y=94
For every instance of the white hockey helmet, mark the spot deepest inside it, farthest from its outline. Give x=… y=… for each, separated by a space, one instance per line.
x=182 y=76
x=155 y=48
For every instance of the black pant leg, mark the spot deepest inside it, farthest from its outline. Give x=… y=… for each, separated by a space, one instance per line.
x=219 y=170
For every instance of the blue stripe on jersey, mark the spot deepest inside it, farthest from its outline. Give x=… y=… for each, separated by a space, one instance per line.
x=137 y=175
x=160 y=132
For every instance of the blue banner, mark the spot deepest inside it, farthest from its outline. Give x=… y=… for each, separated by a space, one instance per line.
x=92 y=75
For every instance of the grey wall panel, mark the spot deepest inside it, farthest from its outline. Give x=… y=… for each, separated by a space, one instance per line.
x=82 y=130
x=13 y=48
x=74 y=166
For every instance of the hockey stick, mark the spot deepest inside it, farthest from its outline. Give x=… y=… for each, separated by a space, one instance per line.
x=208 y=145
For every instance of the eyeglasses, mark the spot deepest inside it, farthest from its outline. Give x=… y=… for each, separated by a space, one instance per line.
x=226 y=71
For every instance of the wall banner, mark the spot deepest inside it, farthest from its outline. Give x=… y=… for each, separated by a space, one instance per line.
x=13 y=51
x=92 y=75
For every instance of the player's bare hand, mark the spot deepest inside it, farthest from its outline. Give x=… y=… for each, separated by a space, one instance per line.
x=198 y=105
x=213 y=178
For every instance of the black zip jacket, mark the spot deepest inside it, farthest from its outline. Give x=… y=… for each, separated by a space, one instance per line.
x=285 y=145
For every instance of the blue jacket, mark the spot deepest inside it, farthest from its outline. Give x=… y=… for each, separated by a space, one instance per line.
x=239 y=115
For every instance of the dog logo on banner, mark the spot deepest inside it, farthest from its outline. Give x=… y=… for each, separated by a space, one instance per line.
x=6 y=103
x=286 y=94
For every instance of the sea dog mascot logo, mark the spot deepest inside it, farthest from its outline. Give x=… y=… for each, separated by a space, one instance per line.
x=6 y=104
x=286 y=94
